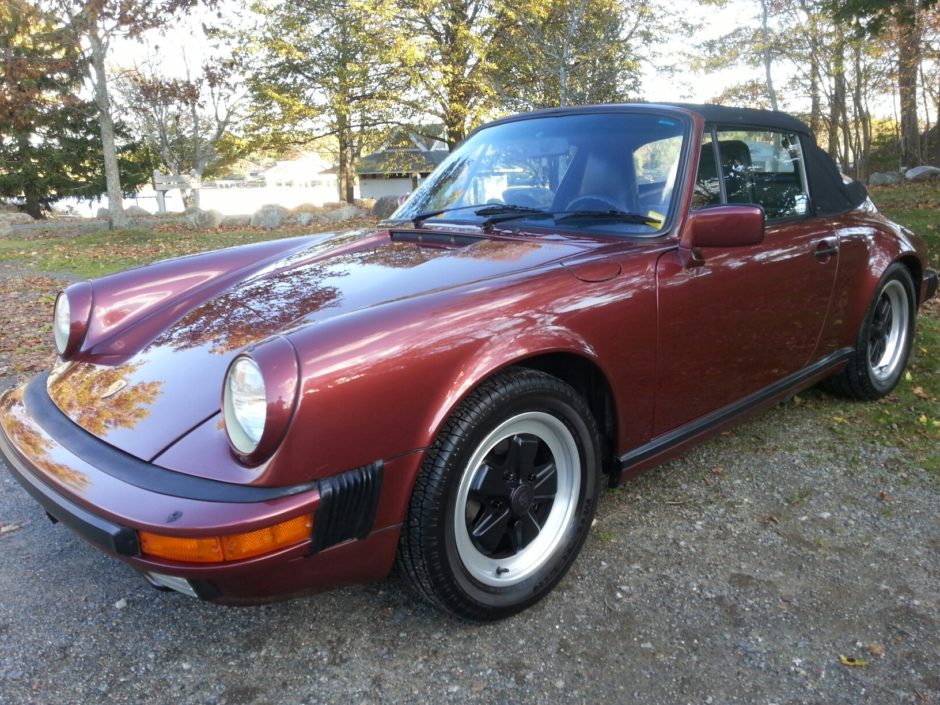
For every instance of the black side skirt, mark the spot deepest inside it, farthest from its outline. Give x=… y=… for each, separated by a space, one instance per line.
x=727 y=413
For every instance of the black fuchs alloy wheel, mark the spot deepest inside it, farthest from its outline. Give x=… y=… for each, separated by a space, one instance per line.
x=504 y=499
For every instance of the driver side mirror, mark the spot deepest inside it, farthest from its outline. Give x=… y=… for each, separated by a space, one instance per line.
x=733 y=225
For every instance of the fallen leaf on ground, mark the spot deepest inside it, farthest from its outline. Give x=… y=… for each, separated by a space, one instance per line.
x=884 y=496
x=921 y=394
x=717 y=471
x=876 y=650
x=840 y=419
x=7 y=528
x=769 y=519
x=852 y=661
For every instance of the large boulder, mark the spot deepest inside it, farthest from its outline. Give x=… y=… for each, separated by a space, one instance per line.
x=344 y=213
x=198 y=219
x=269 y=217
x=884 y=178
x=136 y=212
x=9 y=218
x=236 y=221
x=103 y=214
x=385 y=206
x=922 y=173
x=306 y=218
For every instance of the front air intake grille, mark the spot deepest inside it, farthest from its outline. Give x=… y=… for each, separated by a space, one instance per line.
x=347 y=506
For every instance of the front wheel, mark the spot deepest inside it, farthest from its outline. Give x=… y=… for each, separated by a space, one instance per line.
x=504 y=499
x=884 y=341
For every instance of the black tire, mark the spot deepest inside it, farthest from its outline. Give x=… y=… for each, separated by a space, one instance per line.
x=883 y=344
x=520 y=453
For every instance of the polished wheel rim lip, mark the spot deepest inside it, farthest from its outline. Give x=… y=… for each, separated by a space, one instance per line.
x=888 y=332
x=561 y=444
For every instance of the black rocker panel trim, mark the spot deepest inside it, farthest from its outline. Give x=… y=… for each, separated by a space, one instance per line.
x=348 y=503
x=135 y=471
x=726 y=413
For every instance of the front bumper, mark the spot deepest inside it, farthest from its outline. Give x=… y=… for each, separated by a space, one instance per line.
x=107 y=496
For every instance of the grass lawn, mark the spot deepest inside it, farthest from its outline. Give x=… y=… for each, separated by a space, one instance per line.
x=32 y=270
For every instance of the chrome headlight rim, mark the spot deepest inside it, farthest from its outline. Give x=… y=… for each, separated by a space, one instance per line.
x=71 y=316
x=276 y=363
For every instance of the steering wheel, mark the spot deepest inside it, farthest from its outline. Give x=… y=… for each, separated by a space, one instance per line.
x=594 y=202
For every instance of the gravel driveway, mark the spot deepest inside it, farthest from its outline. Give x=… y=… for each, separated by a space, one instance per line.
x=737 y=574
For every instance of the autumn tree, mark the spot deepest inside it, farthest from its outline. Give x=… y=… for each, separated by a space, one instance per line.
x=323 y=69
x=95 y=25
x=562 y=52
x=49 y=148
x=452 y=44
x=902 y=19
x=184 y=119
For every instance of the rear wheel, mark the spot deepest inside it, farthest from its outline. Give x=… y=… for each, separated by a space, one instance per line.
x=504 y=499
x=884 y=341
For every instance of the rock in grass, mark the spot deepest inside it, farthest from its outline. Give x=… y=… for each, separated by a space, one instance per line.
x=269 y=217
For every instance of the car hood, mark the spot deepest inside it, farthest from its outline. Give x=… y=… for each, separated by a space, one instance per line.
x=144 y=399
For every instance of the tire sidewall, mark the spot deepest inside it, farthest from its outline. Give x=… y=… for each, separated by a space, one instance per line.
x=494 y=602
x=896 y=272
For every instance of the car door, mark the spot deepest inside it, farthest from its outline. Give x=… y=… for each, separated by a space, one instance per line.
x=748 y=316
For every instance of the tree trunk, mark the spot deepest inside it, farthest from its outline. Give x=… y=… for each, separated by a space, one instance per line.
x=908 y=62
x=862 y=118
x=106 y=123
x=837 y=104
x=767 y=54
x=815 y=110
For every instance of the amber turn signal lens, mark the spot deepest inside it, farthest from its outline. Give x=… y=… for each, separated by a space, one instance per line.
x=232 y=547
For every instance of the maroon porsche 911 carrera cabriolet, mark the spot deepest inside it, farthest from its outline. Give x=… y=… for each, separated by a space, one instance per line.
x=573 y=296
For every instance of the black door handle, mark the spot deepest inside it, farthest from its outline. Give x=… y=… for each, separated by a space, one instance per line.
x=826 y=248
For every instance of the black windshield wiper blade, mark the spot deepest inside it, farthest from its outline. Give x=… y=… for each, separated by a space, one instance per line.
x=622 y=216
x=418 y=219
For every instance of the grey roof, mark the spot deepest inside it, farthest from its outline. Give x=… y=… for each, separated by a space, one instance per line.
x=401 y=161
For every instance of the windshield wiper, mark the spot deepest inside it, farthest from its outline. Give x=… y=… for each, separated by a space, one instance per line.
x=559 y=216
x=493 y=209
x=622 y=216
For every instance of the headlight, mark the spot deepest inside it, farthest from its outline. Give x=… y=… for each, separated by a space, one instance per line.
x=259 y=397
x=62 y=322
x=245 y=405
x=70 y=318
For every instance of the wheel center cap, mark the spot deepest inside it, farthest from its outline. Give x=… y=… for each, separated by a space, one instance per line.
x=521 y=499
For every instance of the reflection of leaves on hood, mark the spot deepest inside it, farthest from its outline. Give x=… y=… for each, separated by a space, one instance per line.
x=37 y=448
x=78 y=394
x=398 y=255
x=255 y=310
x=503 y=250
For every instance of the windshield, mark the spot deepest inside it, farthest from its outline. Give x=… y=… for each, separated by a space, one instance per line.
x=603 y=172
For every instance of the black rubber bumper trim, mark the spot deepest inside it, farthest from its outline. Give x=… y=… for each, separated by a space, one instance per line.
x=930 y=276
x=132 y=470
x=348 y=503
x=100 y=532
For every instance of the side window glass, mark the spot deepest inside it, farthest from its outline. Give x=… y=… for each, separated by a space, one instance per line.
x=764 y=167
x=707 y=189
